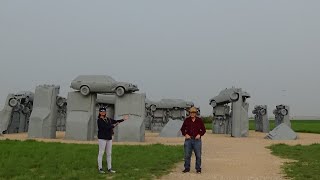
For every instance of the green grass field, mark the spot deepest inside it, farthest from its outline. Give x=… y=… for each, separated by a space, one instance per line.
x=38 y=160
x=307 y=126
x=307 y=160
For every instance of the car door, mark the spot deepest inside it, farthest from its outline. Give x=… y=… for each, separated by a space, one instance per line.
x=108 y=85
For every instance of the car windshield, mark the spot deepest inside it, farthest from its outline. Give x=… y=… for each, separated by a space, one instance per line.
x=110 y=79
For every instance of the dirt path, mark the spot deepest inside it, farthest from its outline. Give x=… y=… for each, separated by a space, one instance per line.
x=235 y=159
x=223 y=157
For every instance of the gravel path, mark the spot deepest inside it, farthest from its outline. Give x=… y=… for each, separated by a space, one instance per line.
x=239 y=158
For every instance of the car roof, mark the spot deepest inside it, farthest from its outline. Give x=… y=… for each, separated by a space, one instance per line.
x=93 y=78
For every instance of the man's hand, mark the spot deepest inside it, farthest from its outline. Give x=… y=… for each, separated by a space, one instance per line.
x=125 y=117
x=187 y=136
x=198 y=136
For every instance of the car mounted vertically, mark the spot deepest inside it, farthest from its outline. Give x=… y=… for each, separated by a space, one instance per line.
x=87 y=84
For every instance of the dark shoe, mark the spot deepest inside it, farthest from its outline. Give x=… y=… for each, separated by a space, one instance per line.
x=186 y=170
x=198 y=171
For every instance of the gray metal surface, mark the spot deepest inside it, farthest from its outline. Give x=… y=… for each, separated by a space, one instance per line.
x=170 y=104
x=62 y=114
x=222 y=120
x=239 y=112
x=282 y=132
x=5 y=115
x=106 y=99
x=282 y=115
x=81 y=116
x=22 y=104
x=18 y=121
x=132 y=130
x=101 y=84
x=172 y=129
x=159 y=113
x=43 y=119
x=261 y=118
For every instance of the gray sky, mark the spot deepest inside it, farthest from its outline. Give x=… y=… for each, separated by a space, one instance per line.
x=170 y=49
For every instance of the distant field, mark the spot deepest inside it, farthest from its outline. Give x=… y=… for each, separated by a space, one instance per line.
x=307 y=126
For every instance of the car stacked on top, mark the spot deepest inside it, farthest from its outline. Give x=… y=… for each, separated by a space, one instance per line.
x=87 y=84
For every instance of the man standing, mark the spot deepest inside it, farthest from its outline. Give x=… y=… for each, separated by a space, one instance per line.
x=193 y=129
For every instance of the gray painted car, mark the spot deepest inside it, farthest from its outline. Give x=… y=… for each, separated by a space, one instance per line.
x=168 y=104
x=21 y=97
x=101 y=84
x=227 y=96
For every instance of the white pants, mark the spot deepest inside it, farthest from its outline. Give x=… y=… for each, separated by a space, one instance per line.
x=105 y=146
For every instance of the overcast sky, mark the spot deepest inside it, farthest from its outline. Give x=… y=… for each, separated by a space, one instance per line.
x=171 y=49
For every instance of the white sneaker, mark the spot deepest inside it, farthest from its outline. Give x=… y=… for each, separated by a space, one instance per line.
x=101 y=171
x=111 y=171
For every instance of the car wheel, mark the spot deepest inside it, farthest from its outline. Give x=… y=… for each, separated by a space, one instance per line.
x=25 y=110
x=234 y=96
x=13 y=102
x=153 y=107
x=60 y=101
x=27 y=99
x=85 y=90
x=263 y=112
x=120 y=91
x=284 y=112
x=213 y=103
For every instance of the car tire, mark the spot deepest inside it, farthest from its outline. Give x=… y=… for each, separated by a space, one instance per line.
x=153 y=107
x=85 y=90
x=284 y=112
x=13 y=102
x=263 y=112
x=213 y=103
x=120 y=91
x=25 y=110
x=27 y=100
x=234 y=96
x=60 y=101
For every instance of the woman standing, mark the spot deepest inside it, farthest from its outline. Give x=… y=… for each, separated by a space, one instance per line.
x=105 y=132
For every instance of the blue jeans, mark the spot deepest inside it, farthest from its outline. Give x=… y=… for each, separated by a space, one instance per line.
x=196 y=146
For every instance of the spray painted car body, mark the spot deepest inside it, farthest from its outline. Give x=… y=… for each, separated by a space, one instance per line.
x=169 y=104
x=22 y=97
x=101 y=84
x=227 y=96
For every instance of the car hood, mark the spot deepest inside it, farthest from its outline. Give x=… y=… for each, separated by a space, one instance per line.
x=127 y=84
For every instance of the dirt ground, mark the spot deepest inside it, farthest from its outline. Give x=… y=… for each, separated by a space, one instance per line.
x=223 y=157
